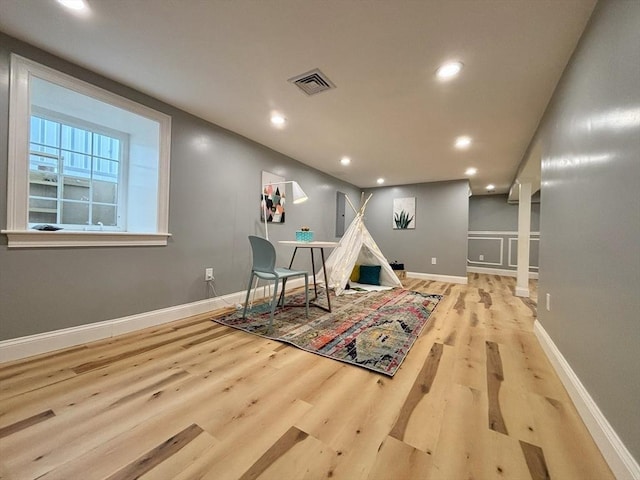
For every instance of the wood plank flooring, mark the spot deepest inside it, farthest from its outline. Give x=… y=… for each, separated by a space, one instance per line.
x=476 y=398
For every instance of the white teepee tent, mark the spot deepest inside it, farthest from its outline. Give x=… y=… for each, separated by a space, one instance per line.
x=357 y=247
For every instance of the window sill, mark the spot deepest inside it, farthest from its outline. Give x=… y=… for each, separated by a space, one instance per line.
x=62 y=238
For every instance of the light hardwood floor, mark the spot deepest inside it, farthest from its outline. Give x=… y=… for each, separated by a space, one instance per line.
x=476 y=398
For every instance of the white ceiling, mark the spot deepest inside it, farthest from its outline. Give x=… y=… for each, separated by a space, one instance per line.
x=228 y=61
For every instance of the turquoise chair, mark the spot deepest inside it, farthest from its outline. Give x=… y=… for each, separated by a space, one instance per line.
x=264 y=261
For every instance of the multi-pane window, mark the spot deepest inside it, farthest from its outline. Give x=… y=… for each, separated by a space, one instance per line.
x=75 y=173
x=83 y=159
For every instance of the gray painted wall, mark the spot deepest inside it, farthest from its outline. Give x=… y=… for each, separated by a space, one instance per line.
x=590 y=215
x=214 y=205
x=442 y=218
x=498 y=249
x=493 y=213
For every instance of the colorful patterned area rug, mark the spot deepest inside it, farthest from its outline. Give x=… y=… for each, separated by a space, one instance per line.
x=372 y=330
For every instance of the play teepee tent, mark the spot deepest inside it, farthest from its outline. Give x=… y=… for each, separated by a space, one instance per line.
x=357 y=247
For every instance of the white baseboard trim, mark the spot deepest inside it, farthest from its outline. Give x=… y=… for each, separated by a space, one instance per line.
x=23 y=347
x=437 y=278
x=499 y=271
x=620 y=460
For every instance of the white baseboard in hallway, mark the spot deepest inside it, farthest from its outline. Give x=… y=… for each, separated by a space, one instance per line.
x=438 y=278
x=620 y=460
x=499 y=271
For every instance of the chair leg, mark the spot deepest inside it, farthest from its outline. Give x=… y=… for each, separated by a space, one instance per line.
x=273 y=304
x=254 y=289
x=246 y=300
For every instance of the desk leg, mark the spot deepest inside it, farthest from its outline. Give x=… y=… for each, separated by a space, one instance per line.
x=313 y=269
x=292 y=257
x=281 y=298
x=326 y=282
x=315 y=284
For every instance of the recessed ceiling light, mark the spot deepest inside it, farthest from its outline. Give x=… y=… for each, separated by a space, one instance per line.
x=491 y=187
x=449 y=70
x=471 y=171
x=463 y=142
x=278 y=120
x=73 y=4
x=345 y=160
x=380 y=181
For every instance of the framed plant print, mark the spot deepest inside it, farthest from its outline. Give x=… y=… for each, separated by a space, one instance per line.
x=404 y=213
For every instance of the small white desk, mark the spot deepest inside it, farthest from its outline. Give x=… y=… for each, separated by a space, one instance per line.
x=311 y=246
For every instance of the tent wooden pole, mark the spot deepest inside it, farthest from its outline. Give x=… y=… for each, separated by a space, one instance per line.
x=362 y=204
x=351 y=204
x=365 y=202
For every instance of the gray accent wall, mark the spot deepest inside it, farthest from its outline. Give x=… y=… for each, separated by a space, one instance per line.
x=493 y=233
x=493 y=213
x=214 y=206
x=590 y=215
x=442 y=218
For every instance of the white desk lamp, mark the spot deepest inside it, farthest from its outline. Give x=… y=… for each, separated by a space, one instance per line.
x=298 y=197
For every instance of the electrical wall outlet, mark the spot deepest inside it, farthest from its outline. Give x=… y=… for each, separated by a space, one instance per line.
x=548 y=302
x=208 y=274
x=433 y=260
x=481 y=257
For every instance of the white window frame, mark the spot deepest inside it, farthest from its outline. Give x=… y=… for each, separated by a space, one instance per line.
x=17 y=231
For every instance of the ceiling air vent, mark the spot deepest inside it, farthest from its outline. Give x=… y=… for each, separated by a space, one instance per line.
x=312 y=82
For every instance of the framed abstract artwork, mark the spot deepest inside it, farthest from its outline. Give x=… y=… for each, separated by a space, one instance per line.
x=404 y=213
x=272 y=198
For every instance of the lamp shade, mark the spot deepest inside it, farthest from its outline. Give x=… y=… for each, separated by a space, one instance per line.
x=298 y=194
